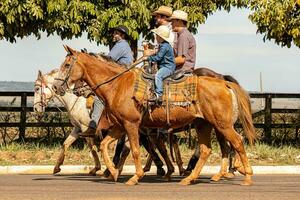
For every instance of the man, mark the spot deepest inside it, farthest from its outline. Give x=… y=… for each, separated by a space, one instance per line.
x=121 y=51
x=162 y=18
x=122 y=54
x=185 y=44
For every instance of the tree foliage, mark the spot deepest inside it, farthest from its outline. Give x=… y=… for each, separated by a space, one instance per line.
x=70 y=18
x=278 y=19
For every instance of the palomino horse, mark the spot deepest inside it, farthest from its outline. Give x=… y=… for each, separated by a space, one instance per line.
x=215 y=99
x=78 y=113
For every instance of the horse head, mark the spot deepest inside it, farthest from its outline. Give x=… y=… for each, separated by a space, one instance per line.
x=70 y=71
x=43 y=92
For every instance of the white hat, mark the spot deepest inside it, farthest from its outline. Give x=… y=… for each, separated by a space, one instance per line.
x=179 y=14
x=163 y=32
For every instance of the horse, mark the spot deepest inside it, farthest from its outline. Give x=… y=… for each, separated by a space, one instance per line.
x=115 y=85
x=78 y=113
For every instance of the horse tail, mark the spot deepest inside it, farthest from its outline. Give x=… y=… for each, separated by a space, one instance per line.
x=230 y=79
x=245 y=115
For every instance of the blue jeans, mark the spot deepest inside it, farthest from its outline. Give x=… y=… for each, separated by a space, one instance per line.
x=98 y=108
x=160 y=75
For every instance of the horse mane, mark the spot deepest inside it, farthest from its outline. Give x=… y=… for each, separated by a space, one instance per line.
x=106 y=59
x=52 y=72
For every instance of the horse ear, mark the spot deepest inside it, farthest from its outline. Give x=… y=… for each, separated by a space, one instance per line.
x=40 y=74
x=70 y=50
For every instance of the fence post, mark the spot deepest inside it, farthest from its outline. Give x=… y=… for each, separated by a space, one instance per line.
x=268 y=120
x=23 y=117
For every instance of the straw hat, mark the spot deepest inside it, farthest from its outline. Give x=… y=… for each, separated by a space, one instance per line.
x=163 y=32
x=163 y=10
x=179 y=14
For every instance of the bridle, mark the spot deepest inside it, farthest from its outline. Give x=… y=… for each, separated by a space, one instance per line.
x=65 y=81
x=43 y=99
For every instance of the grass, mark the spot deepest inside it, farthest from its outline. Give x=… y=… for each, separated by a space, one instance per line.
x=39 y=154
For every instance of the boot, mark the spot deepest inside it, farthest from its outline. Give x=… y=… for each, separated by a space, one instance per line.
x=90 y=132
x=155 y=98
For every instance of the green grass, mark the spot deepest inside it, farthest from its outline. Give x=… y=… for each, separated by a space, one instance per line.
x=39 y=154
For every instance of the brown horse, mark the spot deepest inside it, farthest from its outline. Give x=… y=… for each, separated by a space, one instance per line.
x=215 y=99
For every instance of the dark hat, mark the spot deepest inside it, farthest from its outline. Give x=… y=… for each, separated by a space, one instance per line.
x=122 y=29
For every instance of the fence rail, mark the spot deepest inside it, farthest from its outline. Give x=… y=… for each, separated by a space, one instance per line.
x=266 y=112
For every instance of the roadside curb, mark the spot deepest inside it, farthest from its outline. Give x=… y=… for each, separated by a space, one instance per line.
x=130 y=169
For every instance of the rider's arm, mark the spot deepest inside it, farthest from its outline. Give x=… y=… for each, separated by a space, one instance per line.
x=179 y=60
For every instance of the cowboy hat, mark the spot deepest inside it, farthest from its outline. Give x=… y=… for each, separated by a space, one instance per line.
x=163 y=32
x=122 y=29
x=163 y=10
x=179 y=14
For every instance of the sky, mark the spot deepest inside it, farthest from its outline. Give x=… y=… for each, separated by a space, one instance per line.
x=226 y=43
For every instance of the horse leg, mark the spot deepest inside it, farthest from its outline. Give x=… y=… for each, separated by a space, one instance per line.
x=236 y=141
x=133 y=137
x=117 y=155
x=149 y=145
x=111 y=137
x=204 y=139
x=164 y=153
x=124 y=154
x=178 y=155
x=225 y=149
x=67 y=143
x=93 y=149
x=192 y=162
x=148 y=164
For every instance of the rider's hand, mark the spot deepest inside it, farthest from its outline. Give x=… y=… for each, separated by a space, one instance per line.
x=149 y=52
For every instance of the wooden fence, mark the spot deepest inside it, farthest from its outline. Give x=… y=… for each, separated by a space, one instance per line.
x=266 y=112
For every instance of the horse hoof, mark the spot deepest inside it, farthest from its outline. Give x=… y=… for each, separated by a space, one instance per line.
x=92 y=172
x=241 y=170
x=167 y=178
x=131 y=182
x=216 y=177
x=181 y=171
x=146 y=169
x=185 y=182
x=229 y=175
x=106 y=173
x=56 y=170
x=186 y=173
x=115 y=175
x=246 y=183
x=160 y=172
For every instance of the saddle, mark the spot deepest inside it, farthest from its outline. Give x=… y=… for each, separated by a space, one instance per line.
x=177 y=77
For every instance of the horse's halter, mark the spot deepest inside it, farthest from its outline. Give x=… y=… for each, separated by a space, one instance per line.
x=64 y=85
x=43 y=98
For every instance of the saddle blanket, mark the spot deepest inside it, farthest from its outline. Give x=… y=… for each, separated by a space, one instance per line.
x=182 y=93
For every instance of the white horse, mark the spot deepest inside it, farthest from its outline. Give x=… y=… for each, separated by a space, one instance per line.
x=77 y=110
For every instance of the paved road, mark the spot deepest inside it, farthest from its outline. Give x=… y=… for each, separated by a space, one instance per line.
x=75 y=187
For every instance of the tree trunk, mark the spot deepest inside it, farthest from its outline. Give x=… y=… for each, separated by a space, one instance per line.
x=134 y=48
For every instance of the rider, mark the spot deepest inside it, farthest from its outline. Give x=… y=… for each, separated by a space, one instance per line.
x=185 y=44
x=122 y=54
x=164 y=58
x=162 y=18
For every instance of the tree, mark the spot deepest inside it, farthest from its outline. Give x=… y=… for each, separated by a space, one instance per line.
x=278 y=20
x=70 y=18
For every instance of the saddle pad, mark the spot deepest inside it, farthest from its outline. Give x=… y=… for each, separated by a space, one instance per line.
x=181 y=93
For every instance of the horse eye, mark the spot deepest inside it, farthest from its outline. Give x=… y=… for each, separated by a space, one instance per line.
x=37 y=89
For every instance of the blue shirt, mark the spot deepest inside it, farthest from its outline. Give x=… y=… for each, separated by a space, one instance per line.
x=164 y=57
x=121 y=53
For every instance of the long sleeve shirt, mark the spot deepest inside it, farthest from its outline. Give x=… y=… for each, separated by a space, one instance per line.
x=121 y=53
x=164 y=57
